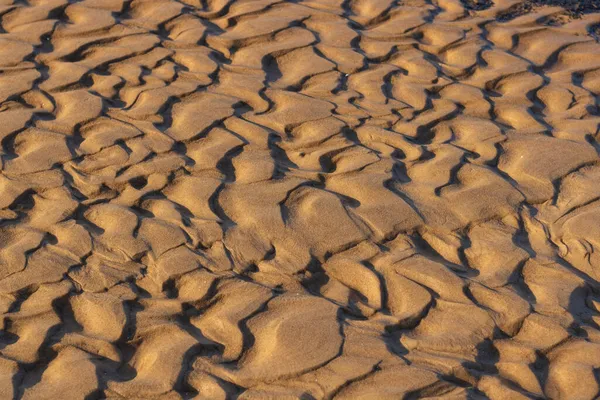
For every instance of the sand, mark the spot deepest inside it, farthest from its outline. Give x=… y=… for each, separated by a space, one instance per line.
x=309 y=199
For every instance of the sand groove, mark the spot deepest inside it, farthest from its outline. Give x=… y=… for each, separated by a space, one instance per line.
x=308 y=199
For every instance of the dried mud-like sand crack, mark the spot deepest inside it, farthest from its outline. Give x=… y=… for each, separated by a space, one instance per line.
x=311 y=199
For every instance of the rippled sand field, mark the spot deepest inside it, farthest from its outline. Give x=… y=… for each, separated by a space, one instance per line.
x=310 y=199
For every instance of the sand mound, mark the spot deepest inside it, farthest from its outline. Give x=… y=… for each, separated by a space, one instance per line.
x=308 y=199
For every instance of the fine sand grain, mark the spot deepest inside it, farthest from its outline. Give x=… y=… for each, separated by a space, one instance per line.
x=309 y=199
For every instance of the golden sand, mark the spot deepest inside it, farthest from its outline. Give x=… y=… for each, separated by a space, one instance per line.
x=311 y=199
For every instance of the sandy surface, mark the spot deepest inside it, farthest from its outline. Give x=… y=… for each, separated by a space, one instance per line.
x=311 y=199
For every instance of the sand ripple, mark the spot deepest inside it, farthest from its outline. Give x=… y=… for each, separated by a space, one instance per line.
x=308 y=199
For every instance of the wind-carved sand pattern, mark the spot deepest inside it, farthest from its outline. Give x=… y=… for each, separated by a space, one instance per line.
x=359 y=199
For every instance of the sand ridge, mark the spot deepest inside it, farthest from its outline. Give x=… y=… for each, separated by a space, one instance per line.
x=312 y=199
